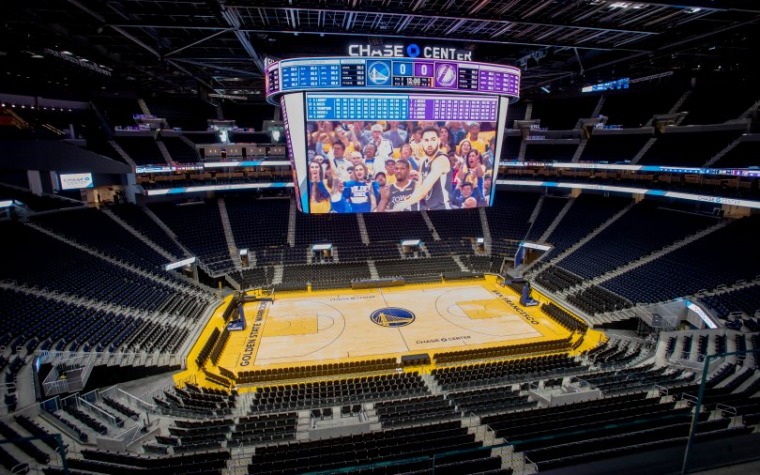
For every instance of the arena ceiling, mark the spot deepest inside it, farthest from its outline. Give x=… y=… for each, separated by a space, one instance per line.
x=179 y=46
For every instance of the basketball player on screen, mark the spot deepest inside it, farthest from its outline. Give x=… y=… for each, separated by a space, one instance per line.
x=395 y=193
x=432 y=192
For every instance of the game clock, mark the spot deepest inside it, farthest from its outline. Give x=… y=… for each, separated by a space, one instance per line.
x=411 y=82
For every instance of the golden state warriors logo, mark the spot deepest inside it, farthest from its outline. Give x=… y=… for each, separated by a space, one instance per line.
x=392 y=317
x=379 y=73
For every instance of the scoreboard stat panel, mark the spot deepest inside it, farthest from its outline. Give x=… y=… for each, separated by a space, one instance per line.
x=370 y=73
x=400 y=107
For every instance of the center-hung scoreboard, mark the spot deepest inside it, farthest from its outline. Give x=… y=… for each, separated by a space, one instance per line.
x=321 y=95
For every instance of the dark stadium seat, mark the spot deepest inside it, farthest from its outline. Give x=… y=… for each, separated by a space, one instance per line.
x=111 y=238
x=414 y=410
x=179 y=150
x=249 y=230
x=550 y=150
x=142 y=149
x=683 y=271
x=118 y=112
x=387 y=227
x=620 y=243
x=64 y=325
x=138 y=218
x=613 y=146
x=705 y=107
x=353 y=451
x=585 y=214
x=596 y=299
x=334 y=392
x=186 y=222
x=688 y=148
x=35 y=202
x=563 y=113
x=743 y=155
x=745 y=300
x=187 y=113
x=550 y=207
x=459 y=377
x=635 y=107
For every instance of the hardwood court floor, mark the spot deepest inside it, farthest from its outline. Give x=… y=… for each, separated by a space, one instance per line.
x=339 y=326
x=315 y=327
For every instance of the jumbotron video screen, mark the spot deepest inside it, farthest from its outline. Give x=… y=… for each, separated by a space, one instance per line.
x=362 y=153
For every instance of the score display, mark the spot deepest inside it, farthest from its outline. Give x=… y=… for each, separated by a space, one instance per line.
x=293 y=75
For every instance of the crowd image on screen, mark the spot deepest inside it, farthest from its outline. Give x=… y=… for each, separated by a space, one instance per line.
x=386 y=166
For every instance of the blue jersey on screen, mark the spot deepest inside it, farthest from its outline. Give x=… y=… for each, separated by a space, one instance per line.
x=357 y=193
x=376 y=191
x=338 y=204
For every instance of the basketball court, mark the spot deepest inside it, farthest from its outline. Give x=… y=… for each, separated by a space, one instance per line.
x=316 y=327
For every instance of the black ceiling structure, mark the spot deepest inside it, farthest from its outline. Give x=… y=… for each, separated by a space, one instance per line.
x=220 y=46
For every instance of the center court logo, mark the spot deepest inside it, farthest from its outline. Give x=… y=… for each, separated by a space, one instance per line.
x=392 y=317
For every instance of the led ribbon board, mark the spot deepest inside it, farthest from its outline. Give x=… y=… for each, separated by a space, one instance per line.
x=359 y=74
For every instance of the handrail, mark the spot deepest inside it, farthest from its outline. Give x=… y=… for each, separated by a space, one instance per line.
x=140 y=402
x=726 y=408
x=689 y=397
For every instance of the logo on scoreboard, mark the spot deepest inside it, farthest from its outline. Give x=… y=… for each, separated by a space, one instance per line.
x=409 y=51
x=379 y=73
x=392 y=317
x=445 y=74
